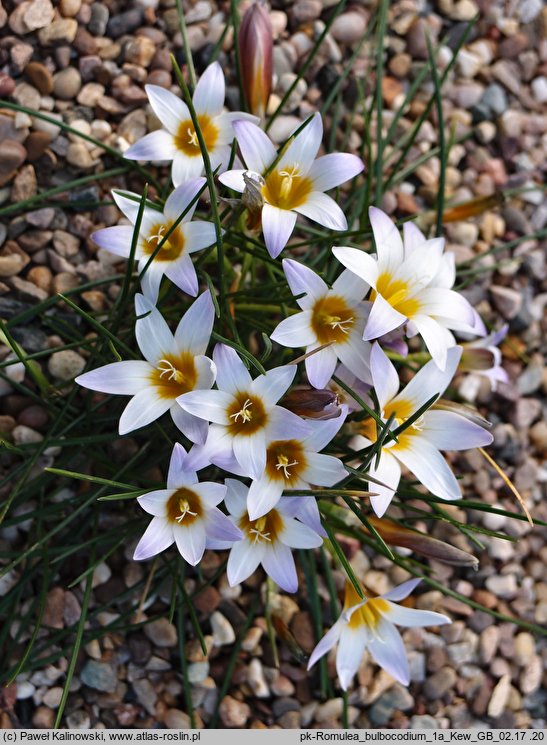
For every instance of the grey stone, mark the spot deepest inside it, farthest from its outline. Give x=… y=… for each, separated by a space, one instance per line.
x=99 y=675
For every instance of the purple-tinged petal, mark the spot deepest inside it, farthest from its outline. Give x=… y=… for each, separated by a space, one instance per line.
x=219 y=527
x=274 y=384
x=157 y=537
x=169 y=109
x=126 y=378
x=354 y=354
x=192 y=427
x=298 y=535
x=155 y=502
x=284 y=425
x=209 y=94
x=116 y=239
x=350 y=286
x=414 y=618
x=277 y=227
x=145 y=407
x=183 y=274
x=388 y=651
x=256 y=147
x=323 y=470
x=320 y=366
x=206 y=372
x=358 y=262
x=278 y=563
x=236 y=497
x=190 y=540
x=448 y=431
x=264 y=494
x=232 y=375
x=194 y=330
x=384 y=376
x=413 y=238
x=158 y=145
x=323 y=431
x=333 y=169
x=323 y=209
x=302 y=279
x=210 y=493
x=181 y=197
x=306 y=510
x=180 y=473
x=383 y=318
x=303 y=149
x=243 y=561
x=198 y=235
x=351 y=647
x=326 y=644
x=154 y=337
x=130 y=207
x=402 y=591
x=151 y=280
x=209 y=405
x=295 y=331
x=250 y=453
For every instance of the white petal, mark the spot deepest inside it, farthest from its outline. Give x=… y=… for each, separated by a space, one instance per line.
x=428 y=465
x=145 y=407
x=250 y=453
x=127 y=377
x=413 y=618
x=323 y=209
x=447 y=304
x=383 y=318
x=243 y=561
x=430 y=380
x=448 y=431
x=351 y=647
x=273 y=385
x=154 y=336
x=322 y=432
x=209 y=405
x=182 y=274
x=234 y=179
x=278 y=563
x=209 y=94
x=190 y=540
x=326 y=644
x=421 y=266
x=264 y=494
x=306 y=510
x=130 y=207
x=320 y=366
x=232 y=375
x=402 y=591
x=192 y=427
x=206 y=372
x=302 y=279
x=323 y=470
x=355 y=355
x=151 y=280
x=236 y=497
x=303 y=149
x=388 y=651
x=210 y=493
x=277 y=226
x=350 y=286
x=169 y=109
x=194 y=330
x=180 y=199
x=116 y=239
x=436 y=337
x=186 y=167
x=389 y=473
x=181 y=471
x=297 y=535
x=384 y=376
x=295 y=331
x=256 y=147
x=155 y=502
x=413 y=238
x=219 y=527
x=333 y=169
x=157 y=537
x=389 y=246
x=158 y=145
x=358 y=262
x=284 y=425
x=198 y=235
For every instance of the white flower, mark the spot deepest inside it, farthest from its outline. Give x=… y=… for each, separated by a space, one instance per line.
x=411 y=285
x=418 y=446
x=369 y=624
x=267 y=541
x=292 y=463
x=295 y=185
x=185 y=513
x=178 y=141
x=244 y=412
x=336 y=317
x=173 y=258
x=173 y=365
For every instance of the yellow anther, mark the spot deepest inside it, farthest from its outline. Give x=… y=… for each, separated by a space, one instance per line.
x=192 y=138
x=244 y=412
x=167 y=368
x=184 y=508
x=336 y=322
x=284 y=465
x=258 y=530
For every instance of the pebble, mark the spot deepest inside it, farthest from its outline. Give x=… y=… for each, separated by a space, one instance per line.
x=395 y=699
x=234 y=713
x=140 y=51
x=146 y=694
x=161 y=633
x=61 y=31
x=500 y=695
x=52 y=697
x=79 y=156
x=349 y=27
x=101 y=676
x=438 y=684
x=507 y=300
x=99 y=19
x=12 y=155
x=176 y=719
x=502 y=585
x=223 y=631
x=7 y=85
x=256 y=679
x=40 y=13
x=66 y=364
x=67 y=83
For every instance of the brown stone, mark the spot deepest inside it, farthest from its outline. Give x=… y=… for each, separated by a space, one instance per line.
x=25 y=184
x=40 y=276
x=7 y=84
x=36 y=145
x=12 y=155
x=40 y=77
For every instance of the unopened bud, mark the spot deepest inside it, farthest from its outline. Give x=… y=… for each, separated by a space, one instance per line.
x=256 y=55
x=311 y=403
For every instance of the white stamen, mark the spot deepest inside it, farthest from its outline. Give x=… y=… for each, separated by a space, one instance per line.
x=167 y=368
x=192 y=138
x=287 y=178
x=259 y=535
x=244 y=412
x=158 y=236
x=283 y=464
x=184 y=507
x=335 y=322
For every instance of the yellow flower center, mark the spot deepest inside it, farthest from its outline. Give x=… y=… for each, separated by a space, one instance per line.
x=396 y=292
x=285 y=461
x=287 y=188
x=174 y=375
x=246 y=415
x=184 y=507
x=186 y=139
x=332 y=319
x=171 y=248
x=264 y=530
x=401 y=410
x=369 y=615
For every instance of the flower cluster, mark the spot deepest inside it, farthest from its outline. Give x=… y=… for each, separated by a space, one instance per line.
x=258 y=429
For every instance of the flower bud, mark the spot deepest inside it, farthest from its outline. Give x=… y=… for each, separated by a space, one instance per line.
x=312 y=403
x=256 y=55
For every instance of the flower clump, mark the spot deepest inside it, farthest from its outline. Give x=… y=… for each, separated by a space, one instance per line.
x=268 y=434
